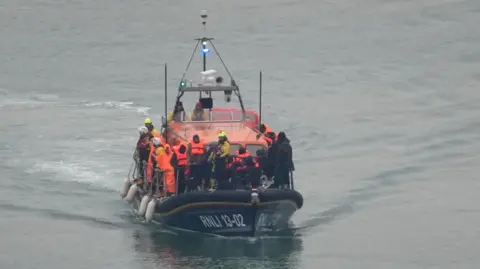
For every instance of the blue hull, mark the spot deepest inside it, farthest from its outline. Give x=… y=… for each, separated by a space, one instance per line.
x=229 y=213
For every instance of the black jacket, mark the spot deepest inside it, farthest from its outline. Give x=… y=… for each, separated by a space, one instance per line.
x=283 y=153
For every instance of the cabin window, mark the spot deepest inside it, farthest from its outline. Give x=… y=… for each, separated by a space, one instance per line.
x=252 y=148
x=233 y=147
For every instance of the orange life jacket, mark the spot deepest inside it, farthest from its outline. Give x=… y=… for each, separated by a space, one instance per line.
x=181 y=157
x=197 y=148
x=168 y=173
x=268 y=130
x=239 y=158
x=150 y=163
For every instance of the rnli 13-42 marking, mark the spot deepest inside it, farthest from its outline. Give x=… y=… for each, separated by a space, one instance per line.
x=223 y=220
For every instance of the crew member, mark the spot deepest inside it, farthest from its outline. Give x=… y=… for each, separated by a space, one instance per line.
x=219 y=157
x=197 y=113
x=283 y=161
x=151 y=128
x=196 y=159
x=176 y=115
x=179 y=162
x=208 y=165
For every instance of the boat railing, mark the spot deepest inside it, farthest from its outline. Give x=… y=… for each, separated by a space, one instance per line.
x=212 y=116
x=157 y=178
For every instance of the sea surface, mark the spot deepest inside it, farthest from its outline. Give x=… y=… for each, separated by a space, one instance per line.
x=380 y=99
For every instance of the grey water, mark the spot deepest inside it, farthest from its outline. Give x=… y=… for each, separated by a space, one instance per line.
x=379 y=98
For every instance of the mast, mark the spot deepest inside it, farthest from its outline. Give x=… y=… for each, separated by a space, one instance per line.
x=260 y=103
x=165 y=105
x=229 y=90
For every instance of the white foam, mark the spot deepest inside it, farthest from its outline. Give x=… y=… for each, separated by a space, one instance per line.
x=127 y=106
x=30 y=100
x=18 y=102
x=74 y=172
x=44 y=97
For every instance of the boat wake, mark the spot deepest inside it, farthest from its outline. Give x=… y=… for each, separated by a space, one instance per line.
x=205 y=246
x=356 y=197
x=26 y=100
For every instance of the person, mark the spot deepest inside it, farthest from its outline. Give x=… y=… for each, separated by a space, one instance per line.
x=164 y=163
x=151 y=128
x=208 y=167
x=155 y=158
x=283 y=161
x=267 y=134
x=176 y=115
x=245 y=168
x=230 y=171
x=179 y=162
x=239 y=166
x=262 y=160
x=196 y=154
x=218 y=157
x=197 y=113
x=143 y=151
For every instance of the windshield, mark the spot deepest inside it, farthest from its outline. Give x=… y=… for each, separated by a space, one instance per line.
x=252 y=148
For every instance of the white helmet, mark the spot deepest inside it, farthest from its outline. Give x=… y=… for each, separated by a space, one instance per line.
x=142 y=130
x=156 y=141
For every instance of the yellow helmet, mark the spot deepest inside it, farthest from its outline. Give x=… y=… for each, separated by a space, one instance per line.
x=222 y=134
x=148 y=121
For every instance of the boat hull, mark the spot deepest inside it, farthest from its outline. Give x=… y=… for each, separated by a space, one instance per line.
x=229 y=212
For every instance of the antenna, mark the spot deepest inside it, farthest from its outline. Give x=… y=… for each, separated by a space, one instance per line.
x=205 y=50
x=204 y=16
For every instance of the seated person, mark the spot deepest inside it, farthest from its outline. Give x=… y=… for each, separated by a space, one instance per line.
x=198 y=114
x=176 y=115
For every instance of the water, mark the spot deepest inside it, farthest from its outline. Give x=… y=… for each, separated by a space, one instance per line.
x=379 y=99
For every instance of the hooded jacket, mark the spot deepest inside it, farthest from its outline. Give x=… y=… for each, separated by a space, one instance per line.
x=283 y=153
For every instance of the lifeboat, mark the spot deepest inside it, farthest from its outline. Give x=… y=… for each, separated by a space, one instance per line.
x=237 y=210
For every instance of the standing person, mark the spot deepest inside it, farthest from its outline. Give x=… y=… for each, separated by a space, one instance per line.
x=208 y=166
x=156 y=154
x=179 y=162
x=267 y=134
x=283 y=161
x=143 y=150
x=163 y=162
x=246 y=168
x=151 y=128
x=219 y=157
x=196 y=156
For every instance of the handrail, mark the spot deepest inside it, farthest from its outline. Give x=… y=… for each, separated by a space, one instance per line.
x=211 y=116
x=208 y=88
